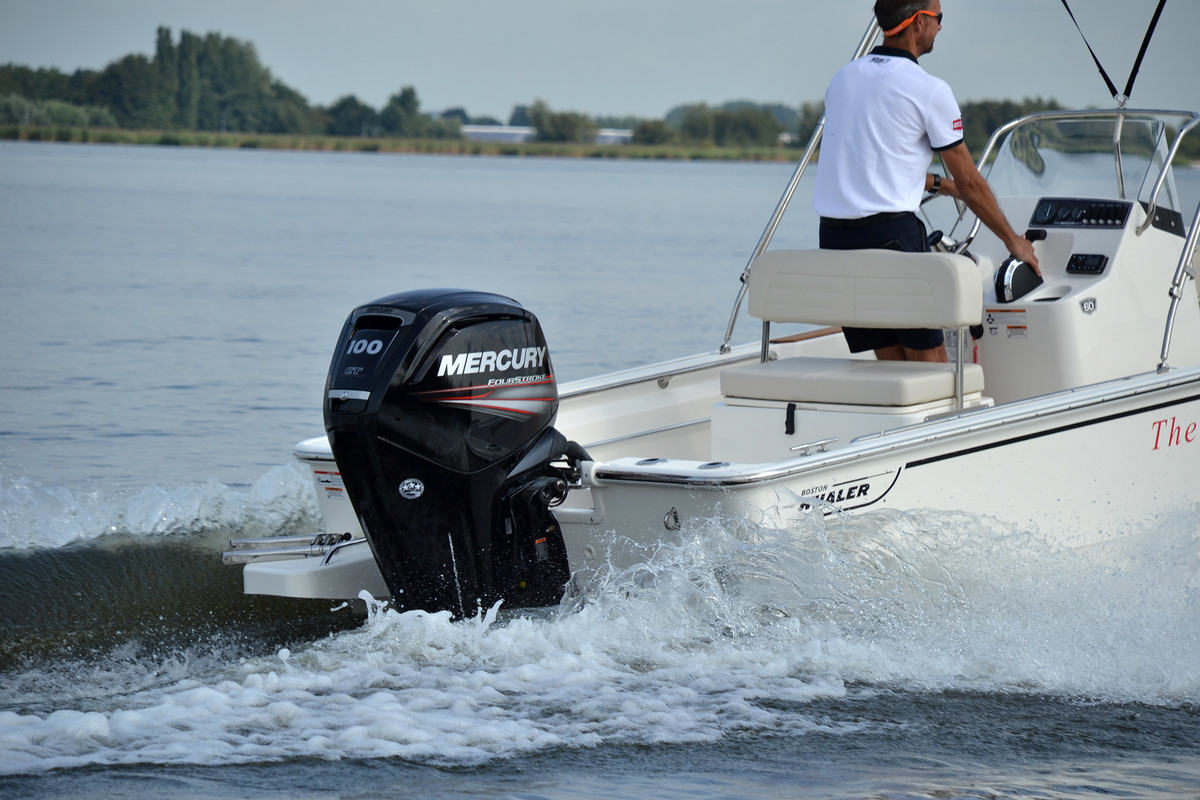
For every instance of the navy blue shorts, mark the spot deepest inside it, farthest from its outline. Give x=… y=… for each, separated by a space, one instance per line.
x=902 y=232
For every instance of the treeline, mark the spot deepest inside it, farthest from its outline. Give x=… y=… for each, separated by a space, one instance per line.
x=17 y=110
x=214 y=83
x=735 y=124
x=200 y=83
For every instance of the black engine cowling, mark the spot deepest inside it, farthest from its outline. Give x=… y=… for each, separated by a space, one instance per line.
x=439 y=409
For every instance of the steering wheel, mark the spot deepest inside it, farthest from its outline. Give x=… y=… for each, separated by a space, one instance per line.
x=937 y=239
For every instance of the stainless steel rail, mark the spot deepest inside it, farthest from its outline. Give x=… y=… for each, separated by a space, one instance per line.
x=864 y=46
x=1118 y=129
x=1186 y=269
x=1162 y=174
x=272 y=548
x=1192 y=119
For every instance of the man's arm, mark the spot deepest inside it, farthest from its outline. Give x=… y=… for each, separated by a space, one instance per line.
x=968 y=185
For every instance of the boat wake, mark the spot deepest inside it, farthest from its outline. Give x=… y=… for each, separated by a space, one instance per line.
x=33 y=516
x=936 y=601
x=736 y=631
x=120 y=584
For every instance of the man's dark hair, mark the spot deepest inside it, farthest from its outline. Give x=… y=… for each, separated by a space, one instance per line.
x=891 y=13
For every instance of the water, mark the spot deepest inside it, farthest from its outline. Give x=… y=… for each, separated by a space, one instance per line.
x=169 y=315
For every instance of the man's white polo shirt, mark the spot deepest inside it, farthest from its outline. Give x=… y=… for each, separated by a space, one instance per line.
x=884 y=118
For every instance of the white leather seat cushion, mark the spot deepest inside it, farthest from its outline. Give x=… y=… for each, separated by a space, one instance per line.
x=866 y=288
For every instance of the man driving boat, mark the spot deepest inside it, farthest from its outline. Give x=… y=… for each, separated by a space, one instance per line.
x=885 y=117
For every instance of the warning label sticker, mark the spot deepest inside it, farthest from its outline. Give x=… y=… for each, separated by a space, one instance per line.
x=1006 y=322
x=328 y=479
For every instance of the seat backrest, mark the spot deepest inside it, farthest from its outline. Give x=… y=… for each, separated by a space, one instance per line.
x=866 y=288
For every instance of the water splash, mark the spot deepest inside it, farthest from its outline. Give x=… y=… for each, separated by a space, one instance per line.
x=34 y=516
x=735 y=630
x=95 y=585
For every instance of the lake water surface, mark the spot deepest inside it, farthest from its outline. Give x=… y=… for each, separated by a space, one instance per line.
x=169 y=315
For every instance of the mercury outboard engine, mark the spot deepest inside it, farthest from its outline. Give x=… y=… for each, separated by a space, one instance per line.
x=439 y=406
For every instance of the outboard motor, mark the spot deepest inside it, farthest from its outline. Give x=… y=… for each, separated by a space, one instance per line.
x=439 y=406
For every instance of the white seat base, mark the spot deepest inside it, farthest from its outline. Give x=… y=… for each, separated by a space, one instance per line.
x=754 y=431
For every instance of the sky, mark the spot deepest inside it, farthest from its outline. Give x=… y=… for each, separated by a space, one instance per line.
x=626 y=57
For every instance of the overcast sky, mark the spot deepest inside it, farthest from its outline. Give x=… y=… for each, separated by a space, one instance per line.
x=617 y=57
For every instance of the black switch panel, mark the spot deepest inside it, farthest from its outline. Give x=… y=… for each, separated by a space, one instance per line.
x=1087 y=264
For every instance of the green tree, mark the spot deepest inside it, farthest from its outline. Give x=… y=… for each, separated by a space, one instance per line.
x=351 y=117
x=561 y=126
x=166 y=60
x=786 y=116
x=235 y=87
x=17 y=110
x=806 y=123
x=519 y=118
x=745 y=126
x=651 y=131
x=402 y=117
x=133 y=89
x=288 y=112
x=696 y=123
x=622 y=123
x=444 y=129
x=81 y=87
x=402 y=114
x=189 y=84
x=39 y=84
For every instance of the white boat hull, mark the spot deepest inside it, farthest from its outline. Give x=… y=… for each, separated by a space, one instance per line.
x=1081 y=468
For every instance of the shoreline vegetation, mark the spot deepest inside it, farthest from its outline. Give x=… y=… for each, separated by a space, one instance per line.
x=309 y=143
x=446 y=147
x=357 y=144
x=213 y=91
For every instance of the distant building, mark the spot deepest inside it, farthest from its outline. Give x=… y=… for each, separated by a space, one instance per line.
x=516 y=134
x=614 y=136
x=507 y=134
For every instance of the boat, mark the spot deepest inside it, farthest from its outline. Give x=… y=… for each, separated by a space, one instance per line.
x=455 y=473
